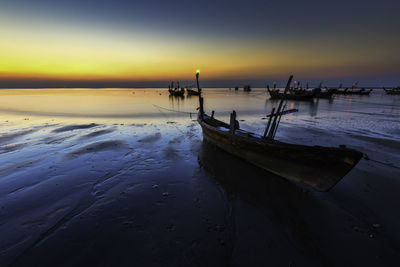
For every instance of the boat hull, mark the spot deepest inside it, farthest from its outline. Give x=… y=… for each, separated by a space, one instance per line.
x=176 y=93
x=325 y=95
x=318 y=167
x=192 y=92
x=349 y=92
x=292 y=96
x=392 y=92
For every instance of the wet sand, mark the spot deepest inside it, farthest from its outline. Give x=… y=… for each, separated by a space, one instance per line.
x=113 y=187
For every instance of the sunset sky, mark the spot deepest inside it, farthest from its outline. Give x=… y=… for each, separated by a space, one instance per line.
x=146 y=43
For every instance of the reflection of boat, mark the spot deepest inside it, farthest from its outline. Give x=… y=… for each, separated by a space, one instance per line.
x=177 y=97
x=319 y=167
x=247 y=88
x=394 y=91
x=258 y=185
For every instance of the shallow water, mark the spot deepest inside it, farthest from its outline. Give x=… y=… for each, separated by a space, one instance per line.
x=81 y=169
x=374 y=115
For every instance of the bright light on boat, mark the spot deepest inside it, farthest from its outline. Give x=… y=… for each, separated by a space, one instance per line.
x=198 y=71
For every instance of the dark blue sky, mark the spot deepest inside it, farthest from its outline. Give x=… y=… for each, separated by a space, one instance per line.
x=329 y=38
x=283 y=18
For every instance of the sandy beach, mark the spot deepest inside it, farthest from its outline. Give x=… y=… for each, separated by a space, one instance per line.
x=113 y=177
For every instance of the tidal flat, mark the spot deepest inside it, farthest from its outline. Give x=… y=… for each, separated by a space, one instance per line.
x=122 y=177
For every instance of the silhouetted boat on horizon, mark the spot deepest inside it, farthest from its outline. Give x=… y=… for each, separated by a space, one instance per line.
x=247 y=88
x=175 y=91
x=352 y=91
x=191 y=91
x=393 y=91
x=301 y=95
x=347 y=91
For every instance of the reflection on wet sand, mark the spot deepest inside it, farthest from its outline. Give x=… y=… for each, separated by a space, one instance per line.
x=321 y=233
x=304 y=106
x=283 y=203
x=249 y=182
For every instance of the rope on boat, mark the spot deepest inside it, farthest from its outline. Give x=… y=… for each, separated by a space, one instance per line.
x=159 y=109
x=177 y=111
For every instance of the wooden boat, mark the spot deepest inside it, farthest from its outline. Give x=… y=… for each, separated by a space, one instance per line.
x=346 y=91
x=301 y=95
x=394 y=91
x=327 y=94
x=315 y=166
x=176 y=91
x=247 y=88
x=191 y=91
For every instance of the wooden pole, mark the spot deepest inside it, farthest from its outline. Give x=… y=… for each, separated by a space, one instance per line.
x=272 y=130
x=200 y=98
x=280 y=116
x=269 y=122
x=232 y=122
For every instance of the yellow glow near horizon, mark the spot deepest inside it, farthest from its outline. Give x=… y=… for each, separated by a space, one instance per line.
x=71 y=53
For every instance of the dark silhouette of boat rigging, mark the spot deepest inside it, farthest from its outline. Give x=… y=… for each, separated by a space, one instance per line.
x=352 y=91
x=175 y=91
x=393 y=91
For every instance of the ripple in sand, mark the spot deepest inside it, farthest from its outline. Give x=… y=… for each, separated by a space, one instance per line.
x=74 y=127
x=111 y=145
x=97 y=133
x=150 y=138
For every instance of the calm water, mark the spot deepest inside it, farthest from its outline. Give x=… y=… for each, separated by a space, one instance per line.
x=377 y=115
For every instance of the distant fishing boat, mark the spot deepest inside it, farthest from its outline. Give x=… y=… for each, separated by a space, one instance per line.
x=346 y=91
x=394 y=91
x=247 y=88
x=315 y=166
x=301 y=95
x=327 y=94
x=352 y=91
x=175 y=91
x=191 y=91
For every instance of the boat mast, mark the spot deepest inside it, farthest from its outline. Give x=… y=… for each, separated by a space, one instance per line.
x=200 y=97
x=274 y=125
